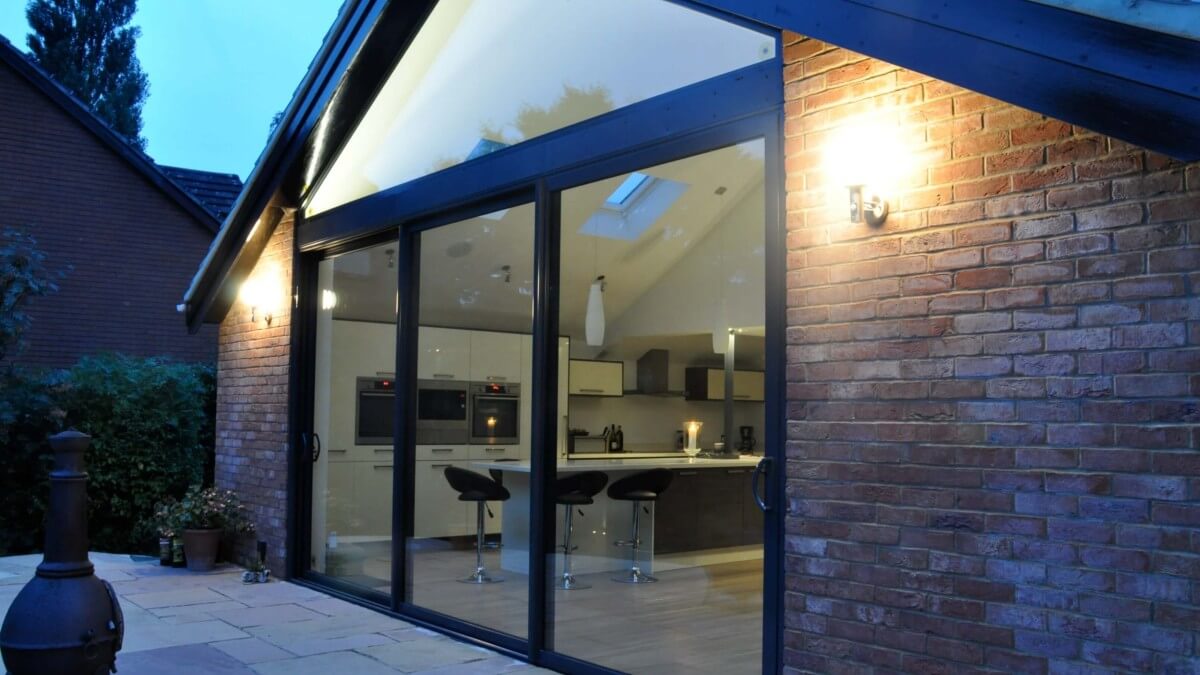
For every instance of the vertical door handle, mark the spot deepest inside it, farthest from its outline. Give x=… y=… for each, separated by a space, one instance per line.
x=312 y=443
x=760 y=469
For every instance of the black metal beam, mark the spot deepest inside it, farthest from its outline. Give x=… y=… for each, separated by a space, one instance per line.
x=1135 y=84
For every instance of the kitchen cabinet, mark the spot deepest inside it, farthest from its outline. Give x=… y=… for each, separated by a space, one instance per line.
x=748 y=385
x=436 y=509
x=596 y=378
x=443 y=354
x=373 y=490
x=342 y=511
x=708 y=384
x=706 y=509
x=495 y=357
x=494 y=452
x=443 y=453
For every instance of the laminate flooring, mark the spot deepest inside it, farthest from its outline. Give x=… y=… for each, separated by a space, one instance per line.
x=704 y=619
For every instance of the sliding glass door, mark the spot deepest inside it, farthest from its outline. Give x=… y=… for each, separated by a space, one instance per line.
x=353 y=411
x=468 y=552
x=576 y=398
x=658 y=557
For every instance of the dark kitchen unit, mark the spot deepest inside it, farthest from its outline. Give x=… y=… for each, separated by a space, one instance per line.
x=707 y=508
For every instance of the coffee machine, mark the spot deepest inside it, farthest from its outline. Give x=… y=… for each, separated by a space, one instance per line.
x=746 y=441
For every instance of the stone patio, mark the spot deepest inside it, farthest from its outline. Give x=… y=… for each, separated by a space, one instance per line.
x=184 y=622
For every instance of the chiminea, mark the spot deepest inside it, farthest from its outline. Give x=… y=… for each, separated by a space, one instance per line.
x=66 y=620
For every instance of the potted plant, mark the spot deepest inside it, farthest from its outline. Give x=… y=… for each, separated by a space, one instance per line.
x=165 y=519
x=203 y=515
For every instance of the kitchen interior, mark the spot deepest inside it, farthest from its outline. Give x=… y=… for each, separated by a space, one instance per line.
x=661 y=367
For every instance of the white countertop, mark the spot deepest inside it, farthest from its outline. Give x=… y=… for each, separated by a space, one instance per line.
x=626 y=464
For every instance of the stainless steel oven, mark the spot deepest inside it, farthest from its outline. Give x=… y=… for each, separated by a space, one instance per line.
x=495 y=413
x=374 y=410
x=442 y=417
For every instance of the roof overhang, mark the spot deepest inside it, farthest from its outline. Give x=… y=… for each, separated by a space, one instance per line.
x=1113 y=78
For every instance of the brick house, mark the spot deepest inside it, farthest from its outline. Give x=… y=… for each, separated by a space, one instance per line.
x=979 y=415
x=129 y=231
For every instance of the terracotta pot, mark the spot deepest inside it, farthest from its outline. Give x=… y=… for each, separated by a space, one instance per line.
x=200 y=548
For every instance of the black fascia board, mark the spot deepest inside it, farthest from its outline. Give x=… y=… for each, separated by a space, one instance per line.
x=1138 y=85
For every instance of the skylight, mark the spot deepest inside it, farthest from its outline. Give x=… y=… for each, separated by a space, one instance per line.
x=626 y=189
x=633 y=207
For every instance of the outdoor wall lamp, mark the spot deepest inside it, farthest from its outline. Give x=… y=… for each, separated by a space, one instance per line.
x=261 y=294
x=871 y=210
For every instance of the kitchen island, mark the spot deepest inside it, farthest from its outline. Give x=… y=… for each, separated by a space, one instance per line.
x=706 y=516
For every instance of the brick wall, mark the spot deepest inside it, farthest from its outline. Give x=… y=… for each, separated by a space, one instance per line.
x=252 y=405
x=992 y=445
x=132 y=250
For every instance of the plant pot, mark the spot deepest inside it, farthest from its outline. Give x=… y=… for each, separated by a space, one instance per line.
x=200 y=548
x=164 y=551
x=177 y=552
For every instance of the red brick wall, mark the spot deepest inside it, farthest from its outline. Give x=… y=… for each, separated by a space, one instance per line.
x=992 y=444
x=252 y=405
x=131 y=248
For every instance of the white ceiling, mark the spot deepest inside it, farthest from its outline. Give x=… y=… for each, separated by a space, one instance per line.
x=463 y=284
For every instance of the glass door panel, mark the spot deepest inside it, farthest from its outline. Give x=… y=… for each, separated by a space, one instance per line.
x=353 y=411
x=662 y=288
x=469 y=554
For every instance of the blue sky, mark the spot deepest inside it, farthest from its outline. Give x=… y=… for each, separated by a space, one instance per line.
x=218 y=69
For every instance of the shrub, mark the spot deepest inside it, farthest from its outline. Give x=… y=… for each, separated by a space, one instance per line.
x=151 y=426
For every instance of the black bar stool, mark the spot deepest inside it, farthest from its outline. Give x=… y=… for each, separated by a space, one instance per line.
x=478 y=488
x=640 y=487
x=575 y=490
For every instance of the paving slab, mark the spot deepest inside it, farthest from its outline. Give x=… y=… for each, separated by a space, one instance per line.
x=252 y=650
x=186 y=623
x=325 y=664
x=185 y=660
x=417 y=655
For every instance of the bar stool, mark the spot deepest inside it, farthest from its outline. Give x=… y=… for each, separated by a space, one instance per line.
x=475 y=487
x=645 y=486
x=573 y=491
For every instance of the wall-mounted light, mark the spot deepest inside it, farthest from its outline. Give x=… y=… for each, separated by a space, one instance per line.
x=262 y=294
x=872 y=210
x=865 y=158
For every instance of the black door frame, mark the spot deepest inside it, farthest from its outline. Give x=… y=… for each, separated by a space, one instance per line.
x=401 y=220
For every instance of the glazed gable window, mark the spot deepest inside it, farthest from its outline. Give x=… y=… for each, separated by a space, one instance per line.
x=483 y=75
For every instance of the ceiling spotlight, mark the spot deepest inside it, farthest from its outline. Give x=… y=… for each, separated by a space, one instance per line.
x=505 y=273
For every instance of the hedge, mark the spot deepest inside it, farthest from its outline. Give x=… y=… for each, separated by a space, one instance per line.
x=151 y=423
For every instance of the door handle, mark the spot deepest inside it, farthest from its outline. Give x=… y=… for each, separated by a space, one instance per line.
x=760 y=470
x=312 y=443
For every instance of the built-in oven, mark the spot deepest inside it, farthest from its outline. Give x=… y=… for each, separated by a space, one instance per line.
x=374 y=411
x=442 y=407
x=495 y=413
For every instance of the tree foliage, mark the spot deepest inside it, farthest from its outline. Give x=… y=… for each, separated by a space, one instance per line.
x=152 y=437
x=23 y=275
x=88 y=47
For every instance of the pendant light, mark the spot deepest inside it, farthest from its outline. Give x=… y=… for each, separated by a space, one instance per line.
x=720 y=333
x=594 y=319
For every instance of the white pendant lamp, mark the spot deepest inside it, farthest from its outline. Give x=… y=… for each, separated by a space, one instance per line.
x=594 y=320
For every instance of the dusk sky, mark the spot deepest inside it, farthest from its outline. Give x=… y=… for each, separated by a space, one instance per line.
x=218 y=69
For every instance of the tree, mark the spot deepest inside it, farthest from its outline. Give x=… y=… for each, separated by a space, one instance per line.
x=88 y=47
x=23 y=275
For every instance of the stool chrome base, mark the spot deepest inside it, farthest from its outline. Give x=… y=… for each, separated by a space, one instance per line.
x=568 y=582
x=635 y=576
x=481 y=576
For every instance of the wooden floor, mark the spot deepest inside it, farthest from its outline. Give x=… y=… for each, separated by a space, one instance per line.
x=695 y=620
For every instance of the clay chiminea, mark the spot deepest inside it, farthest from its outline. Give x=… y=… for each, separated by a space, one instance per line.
x=66 y=620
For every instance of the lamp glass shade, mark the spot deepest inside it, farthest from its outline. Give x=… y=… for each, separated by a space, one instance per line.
x=594 y=320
